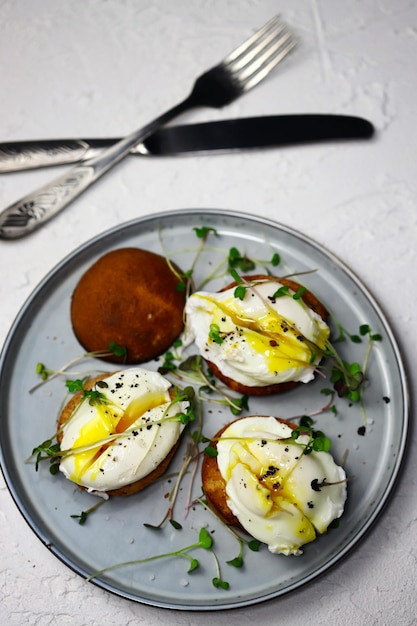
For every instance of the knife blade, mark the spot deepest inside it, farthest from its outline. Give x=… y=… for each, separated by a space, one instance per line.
x=202 y=138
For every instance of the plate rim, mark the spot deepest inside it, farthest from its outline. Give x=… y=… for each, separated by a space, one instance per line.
x=335 y=260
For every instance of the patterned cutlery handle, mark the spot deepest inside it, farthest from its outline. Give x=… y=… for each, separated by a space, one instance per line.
x=24 y=155
x=29 y=213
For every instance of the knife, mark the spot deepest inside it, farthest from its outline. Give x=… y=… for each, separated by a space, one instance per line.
x=203 y=138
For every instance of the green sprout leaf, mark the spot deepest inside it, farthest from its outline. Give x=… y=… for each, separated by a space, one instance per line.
x=74 y=386
x=239 y=405
x=175 y=524
x=237 y=260
x=193 y=565
x=254 y=545
x=276 y=259
x=219 y=583
x=118 y=350
x=211 y=451
x=236 y=562
x=183 y=283
x=240 y=292
x=93 y=396
x=84 y=515
x=214 y=334
x=236 y=277
x=299 y=293
x=47 y=450
x=204 y=539
x=203 y=231
x=193 y=363
x=282 y=291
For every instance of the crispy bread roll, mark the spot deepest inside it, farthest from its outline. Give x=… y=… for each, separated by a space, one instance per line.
x=128 y=297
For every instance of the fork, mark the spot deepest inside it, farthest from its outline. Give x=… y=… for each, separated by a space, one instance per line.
x=239 y=72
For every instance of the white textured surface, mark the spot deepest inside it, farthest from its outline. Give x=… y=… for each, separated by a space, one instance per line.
x=105 y=66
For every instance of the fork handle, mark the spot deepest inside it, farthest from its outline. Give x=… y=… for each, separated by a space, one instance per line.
x=36 y=208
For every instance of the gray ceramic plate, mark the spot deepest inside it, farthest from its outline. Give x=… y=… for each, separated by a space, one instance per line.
x=116 y=531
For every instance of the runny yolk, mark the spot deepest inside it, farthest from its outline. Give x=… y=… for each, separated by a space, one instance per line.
x=139 y=406
x=273 y=336
x=106 y=421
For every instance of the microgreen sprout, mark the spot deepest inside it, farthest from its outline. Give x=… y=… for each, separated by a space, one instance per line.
x=218 y=581
x=171 y=358
x=83 y=516
x=191 y=455
x=348 y=379
x=168 y=364
x=252 y=544
x=169 y=515
x=318 y=486
x=184 y=282
x=48 y=374
x=211 y=451
x=187 y=394
x=185 y=278
x=237 y=260
x=241 y=288
x=47 y=450
x=364 y=329
x=194 y=366
x=284 y=290
x=203 y=232
x=205 y=542
x=318 y=442
x=92 y=395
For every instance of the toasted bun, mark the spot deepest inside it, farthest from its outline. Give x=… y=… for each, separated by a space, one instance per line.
x=136 y=486
x=310 y=300
x=129 y=297
x=214 y=485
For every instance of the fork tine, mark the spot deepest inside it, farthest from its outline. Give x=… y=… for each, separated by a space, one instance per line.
x=256 y=71
x=258 y=55
x=243 y=59
x=252 y=39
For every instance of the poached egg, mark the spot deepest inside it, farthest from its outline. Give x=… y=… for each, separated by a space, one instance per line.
x=258 y=340
x=125 y=436
x=280 y=496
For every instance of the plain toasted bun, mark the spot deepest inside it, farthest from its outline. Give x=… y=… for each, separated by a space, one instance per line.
x=310 y=300
x=128 y=297
x=136 y=486
x=214 y=485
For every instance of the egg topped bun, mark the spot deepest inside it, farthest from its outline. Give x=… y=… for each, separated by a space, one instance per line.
x=121 y=440
x=264 y=340
x=262 y=482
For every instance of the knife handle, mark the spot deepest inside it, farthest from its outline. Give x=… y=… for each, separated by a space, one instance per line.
x=18 y=156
